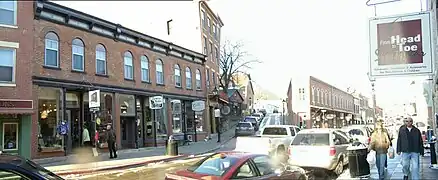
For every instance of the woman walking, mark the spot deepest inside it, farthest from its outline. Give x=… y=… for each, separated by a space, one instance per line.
x=380 y=142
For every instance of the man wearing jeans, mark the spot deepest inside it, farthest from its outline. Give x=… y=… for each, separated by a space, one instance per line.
x=410 y=145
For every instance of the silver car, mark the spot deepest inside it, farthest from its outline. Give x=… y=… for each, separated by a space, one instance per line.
x=244 y=129
x=320 y=148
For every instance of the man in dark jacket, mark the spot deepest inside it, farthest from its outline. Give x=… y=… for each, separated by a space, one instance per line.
x=111 y=139
x=410 y=145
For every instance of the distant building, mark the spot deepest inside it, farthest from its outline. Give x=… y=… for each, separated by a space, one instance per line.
x=243 y=83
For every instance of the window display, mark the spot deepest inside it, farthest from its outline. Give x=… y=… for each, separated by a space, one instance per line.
x=49 y=118
x=10 y=136
x=176 y=116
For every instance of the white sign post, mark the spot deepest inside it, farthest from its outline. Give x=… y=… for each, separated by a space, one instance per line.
x=401 y=45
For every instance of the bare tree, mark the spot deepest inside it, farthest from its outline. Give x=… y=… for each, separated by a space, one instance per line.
x=233 y=60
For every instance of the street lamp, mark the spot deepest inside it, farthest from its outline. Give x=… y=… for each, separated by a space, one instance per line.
x=215 y=93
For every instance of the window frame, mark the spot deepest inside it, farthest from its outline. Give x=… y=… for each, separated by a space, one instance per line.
x=124 y=65
x=177 y=74
x=104 y=60
x=144 y=58
x=207 y=78
x=78 y=54
x=161 y=64
x=17 y=139
x=15 y=9
x=14 y=64
x=198 y=74
x=49 y=48
x=189 y=80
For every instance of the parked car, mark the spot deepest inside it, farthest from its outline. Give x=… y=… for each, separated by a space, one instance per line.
x=320 y=148
x=17 y=167
x=237 y=165
x=359 y=133
x=258 y=115
x=273 y=141
x=244 y=129
x=252 y=120
x=270 y=119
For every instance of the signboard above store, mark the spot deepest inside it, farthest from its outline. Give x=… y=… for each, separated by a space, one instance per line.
x=94 y=99
x=401 y=45
x=16 y=104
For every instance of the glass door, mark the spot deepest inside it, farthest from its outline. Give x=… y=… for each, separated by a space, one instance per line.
x=10 y=137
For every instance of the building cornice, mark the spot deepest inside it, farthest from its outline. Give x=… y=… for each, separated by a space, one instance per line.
x=69 y=17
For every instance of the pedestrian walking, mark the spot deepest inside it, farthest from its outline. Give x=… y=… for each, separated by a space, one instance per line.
x=111 y=139
x=410 y=145
x=380 y=142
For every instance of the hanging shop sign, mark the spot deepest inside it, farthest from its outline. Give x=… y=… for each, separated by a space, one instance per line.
x=156 y=102
x=198 y=106
x=94 y=99
x=401 y=45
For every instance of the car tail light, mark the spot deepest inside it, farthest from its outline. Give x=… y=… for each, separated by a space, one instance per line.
x=369 y=140
x=332 y=151
x=289 y=151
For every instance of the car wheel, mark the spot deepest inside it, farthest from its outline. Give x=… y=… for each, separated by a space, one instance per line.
x=339 y=167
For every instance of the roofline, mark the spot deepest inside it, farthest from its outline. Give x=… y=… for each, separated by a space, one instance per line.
x=69 y=13
x=216 y=16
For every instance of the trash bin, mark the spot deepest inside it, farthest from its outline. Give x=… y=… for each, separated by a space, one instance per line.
x=172 y=147
x=357 y=161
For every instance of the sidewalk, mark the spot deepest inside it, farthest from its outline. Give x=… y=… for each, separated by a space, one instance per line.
x=395 y=172
x=130 y=157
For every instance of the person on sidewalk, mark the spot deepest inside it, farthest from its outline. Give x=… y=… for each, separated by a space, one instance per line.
x=410 y=145
x=380 y=142
x=86 y=140
x=111 y=139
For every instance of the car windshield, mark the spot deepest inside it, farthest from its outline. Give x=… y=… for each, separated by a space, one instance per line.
x=251 y=119
x=256 y=115
x=274 y=131
x=321 y=139
x=214 y=165
x=244 y=125
x=355 y=132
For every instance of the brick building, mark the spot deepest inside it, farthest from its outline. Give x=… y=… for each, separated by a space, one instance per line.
x=16 y=105
x=76 y=53
x=316 y=102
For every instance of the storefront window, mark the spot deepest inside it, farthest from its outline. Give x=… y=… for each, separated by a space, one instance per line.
x=147 y=119
x=161 y=122
x=127 y=107
x=103 y=117
x=190 y=116
x=49 y=118
x=139 y=119
x=10 y=136
x=176 y=116
x=199 y=121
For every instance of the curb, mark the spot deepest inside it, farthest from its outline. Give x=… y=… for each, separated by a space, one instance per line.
x=124 y=166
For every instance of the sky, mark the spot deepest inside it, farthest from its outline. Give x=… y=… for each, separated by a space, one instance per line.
x=325 y=39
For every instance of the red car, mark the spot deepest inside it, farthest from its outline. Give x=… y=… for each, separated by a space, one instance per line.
x=236 y=165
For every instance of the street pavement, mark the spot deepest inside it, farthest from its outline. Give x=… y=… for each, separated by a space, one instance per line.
x=150 y=171
x=75 y=164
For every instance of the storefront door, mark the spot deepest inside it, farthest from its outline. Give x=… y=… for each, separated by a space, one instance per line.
x=128 y=132
x=73 y=116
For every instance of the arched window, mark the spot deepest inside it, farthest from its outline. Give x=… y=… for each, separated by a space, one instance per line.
x=177 y=71
x=100 y=59
x=159 y=71
x=318 y=95
x=144 y=69
x=198 y=79
x=51 y=50
x=77 y=63
x=129 y=72
x=314 y=96
x=188 y=78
